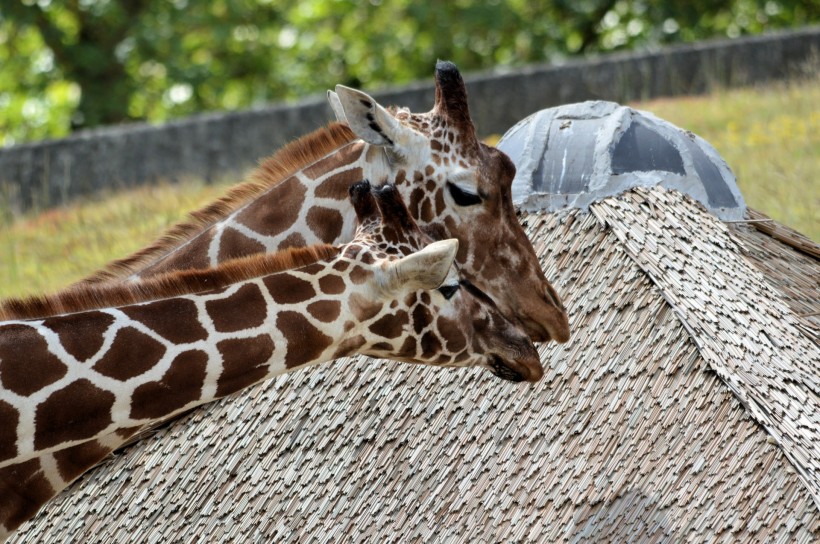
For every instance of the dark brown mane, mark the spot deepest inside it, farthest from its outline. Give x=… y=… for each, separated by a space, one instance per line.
x=85 y=297
x=278 y=167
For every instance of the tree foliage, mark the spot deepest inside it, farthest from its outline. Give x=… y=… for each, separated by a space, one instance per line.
x=81 y=63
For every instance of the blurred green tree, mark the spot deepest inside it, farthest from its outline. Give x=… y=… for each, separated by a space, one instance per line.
x=82 y=63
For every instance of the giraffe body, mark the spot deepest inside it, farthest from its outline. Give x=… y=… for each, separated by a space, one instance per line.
x=75 y=385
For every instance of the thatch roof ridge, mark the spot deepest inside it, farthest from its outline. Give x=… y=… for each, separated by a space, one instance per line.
x=777 y=374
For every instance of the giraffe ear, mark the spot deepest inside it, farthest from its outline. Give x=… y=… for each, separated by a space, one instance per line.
x=336 y=105
x=425 y=269
x=369 y=120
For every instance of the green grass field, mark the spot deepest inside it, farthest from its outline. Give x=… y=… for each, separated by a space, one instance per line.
x=770 y=136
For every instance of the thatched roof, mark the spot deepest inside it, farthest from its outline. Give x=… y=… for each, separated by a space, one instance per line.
x=685 y=407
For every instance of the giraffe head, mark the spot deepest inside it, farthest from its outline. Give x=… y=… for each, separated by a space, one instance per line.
x=458 y=187
x=422 y=310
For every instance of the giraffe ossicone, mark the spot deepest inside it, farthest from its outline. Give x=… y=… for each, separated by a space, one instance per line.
x=97 y=373
x=454 y=185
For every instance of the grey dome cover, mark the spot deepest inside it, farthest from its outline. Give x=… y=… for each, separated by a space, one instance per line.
x=573 y=155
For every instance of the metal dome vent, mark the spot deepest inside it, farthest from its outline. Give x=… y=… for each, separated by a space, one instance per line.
x=573 y=155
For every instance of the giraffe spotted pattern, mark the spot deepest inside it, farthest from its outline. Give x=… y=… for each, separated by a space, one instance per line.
x=390 y=293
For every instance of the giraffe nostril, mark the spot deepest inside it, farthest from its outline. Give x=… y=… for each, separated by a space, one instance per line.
x=552 y=297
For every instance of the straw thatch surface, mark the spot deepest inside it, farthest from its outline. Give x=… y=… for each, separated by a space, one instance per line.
x=684 y=408
x=789 y=261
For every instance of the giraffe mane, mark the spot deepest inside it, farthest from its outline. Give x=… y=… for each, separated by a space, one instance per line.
x=85 y=297
x=274 y=169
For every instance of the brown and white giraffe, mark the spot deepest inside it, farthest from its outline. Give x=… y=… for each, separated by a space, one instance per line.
x=455 y=187
x=100 y=362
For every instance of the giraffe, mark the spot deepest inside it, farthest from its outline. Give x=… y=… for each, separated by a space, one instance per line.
x=455 y=187
x=101 y=362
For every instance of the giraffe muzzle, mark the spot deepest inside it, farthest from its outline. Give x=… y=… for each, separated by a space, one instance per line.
x=516 y=370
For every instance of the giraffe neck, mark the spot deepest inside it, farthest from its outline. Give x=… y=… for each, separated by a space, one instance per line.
x=73 y=378
x=308 y=207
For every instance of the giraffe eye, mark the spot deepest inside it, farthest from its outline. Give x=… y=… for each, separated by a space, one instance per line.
x=462 y=197
x=448 y=290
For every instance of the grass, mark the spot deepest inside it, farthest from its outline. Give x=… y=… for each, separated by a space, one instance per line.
x=44 y=252
x=770 y=136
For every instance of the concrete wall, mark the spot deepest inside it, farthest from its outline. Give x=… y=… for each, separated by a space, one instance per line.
x=38 y=175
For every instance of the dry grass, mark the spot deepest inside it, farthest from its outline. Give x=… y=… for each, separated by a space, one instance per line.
x=770 y=136
x=44 y=252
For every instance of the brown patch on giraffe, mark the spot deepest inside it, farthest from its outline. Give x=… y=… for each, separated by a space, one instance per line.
x=24 y=489
x=451 y=333
x=443 y=359
x=324 y=165
x=290 y=195
x=415 y=199
x=435 y=145
x=132 y=353
x=73 y=461
x=441 y=205
x=337 y=185
x=401 y=177
x=332 y=285
x=245 y=362
x=341 y=266
x=233 y=244
x=195 y=257
x=26 y=364
x=81 y=342
x=359 y=274
x=425 y=298
x=430 y=343
x=408 y=348
x=428 y=170
x=312 y=269
x=421 y=318
x=294 y=239
x=426 y=212
x=326 y=223
x=349 y=346
x=181 y=385
x=325 y=310
x=175 y=320
x=384 y=347
x=390 y=325
x=287 y=289
x=76 y=412
x=430 y=185
x=418 y=177
x=367 y=258
x=244 y=309
x=363 y=308
x=9 y=418
x=305 y=342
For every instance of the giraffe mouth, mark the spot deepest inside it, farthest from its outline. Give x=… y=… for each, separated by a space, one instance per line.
x=504 y=370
